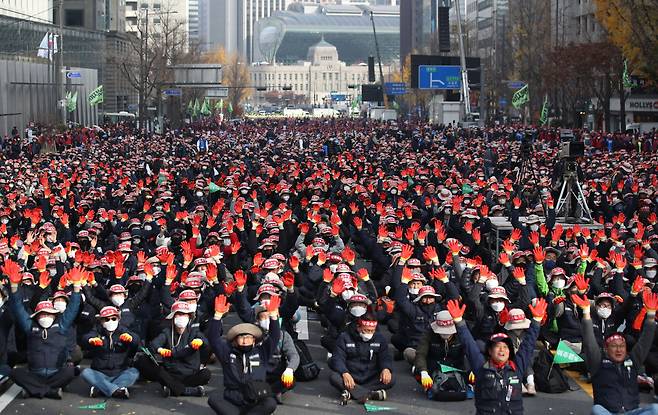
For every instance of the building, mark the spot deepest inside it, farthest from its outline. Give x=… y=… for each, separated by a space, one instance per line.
x=219 y=25
x=193 y=21
x=158 y=11
x=574 y=22
x=105 y=15
x=318 y=77
x=34 y=10
x=286 y=36
x=419 y=26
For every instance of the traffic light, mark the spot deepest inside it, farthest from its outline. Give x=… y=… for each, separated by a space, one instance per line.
x=371 y=69
x=444 y=29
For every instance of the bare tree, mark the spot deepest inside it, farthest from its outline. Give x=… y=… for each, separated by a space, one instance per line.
x=235 y=75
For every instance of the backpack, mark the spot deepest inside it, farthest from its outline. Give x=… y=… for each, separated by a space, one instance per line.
x=549 y=379
x=308 y=369
x=448 y=387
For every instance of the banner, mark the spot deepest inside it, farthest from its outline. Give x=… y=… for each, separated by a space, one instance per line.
x=448 y=369
x=543 y=118
x=564 y=354
x=220 y=105
x=626 y=78
x=71 y=101
x=205 y=108
x=521 y=97
x=48 y=46
x=97 y=96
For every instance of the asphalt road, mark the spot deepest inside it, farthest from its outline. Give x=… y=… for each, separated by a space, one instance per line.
x=316 y=397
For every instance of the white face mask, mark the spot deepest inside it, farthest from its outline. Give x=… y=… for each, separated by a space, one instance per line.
x=501 y=201
x=60 y=306
x=285 y=198
x=46 y=321
x=117 y=300
x=52 y=272
x=357 y=311
x=181 y=321
x=366 y=336
x=192 y=307
x=199 y=194
x=4 y=221
x=491 y=283
x=264 y=324
x=111 y=325
x=603 y=312
x=347 y=294
x=156 y=270
x=651 y=274
x=559 y=283
x=534 y=228
x=498 y=306
x=414 y=291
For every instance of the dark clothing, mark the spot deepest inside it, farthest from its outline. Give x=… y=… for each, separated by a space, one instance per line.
x=114 y=356
x=38 y=386
x=184 y=360
x=364 y=360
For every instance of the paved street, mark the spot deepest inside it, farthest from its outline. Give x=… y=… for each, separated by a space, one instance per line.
x=314 y=397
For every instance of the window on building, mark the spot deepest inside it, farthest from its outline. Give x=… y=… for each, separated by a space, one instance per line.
x=157 y=6
x=324 y=76
x=74 y=17
x=331 y=76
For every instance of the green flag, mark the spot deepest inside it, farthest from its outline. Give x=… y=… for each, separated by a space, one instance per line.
x=543 y=118
x=466 y=189
x=376 y=408
x=212 y=187
x=68 y=99
x=195 y=109
x=521 y=97
x=230 y=108
x=564 y=354
x=448 y=369
x=96 y=407
x=73 y=103
x=190 y=108
x=205 y=108
x=626 y=78
x=97 y=96
x=219 y=105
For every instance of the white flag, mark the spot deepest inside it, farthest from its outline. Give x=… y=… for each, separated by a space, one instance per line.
x=43 y=47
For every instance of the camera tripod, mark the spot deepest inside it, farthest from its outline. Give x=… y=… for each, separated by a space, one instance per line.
x=571 y=188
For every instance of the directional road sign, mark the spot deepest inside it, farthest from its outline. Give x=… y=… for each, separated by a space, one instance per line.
x=439 y=77
x=73 y=75
x=174 y=92
x=395 y=88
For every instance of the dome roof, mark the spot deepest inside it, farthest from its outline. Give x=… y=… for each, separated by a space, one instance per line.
x=322 y=48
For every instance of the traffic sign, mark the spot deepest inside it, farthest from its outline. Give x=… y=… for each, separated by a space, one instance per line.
x=133 y=107
x=395 y=88
x=502 y=102
x=73 y=75
x=439 y=77
x=174 y=92
x=338 y=97
x=220 y=92
x=515 y=84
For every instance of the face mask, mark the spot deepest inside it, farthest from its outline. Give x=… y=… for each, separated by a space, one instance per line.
x=4 y=221
x=603 y=312
x=52 y=272
x=111 y=325
x=148 y=228
x=227 y=242
x=414 y=291
x=366 y=336
x=46 y=321
x=491 y=283
x=244 y=191
x=651 y=274
x=60 y=306
x=549 y=264
x=245 y=349
x=198 y=194
x=357 y=311
x=501 y=201
x=534 y=228
x=264 y=324
x=117 y=300
x=559 y=284
x=498 y=306
x=285 y=198
x=181 y=321
x=445 y=336
x=347 y=294
x=192 y=307
x=156 y=270
x=158 y=208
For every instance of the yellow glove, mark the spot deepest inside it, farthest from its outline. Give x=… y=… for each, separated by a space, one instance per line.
x=96 y=341
x=126 y=338
x=426 y=380
x=164 y=352
x=287 y=378
x=196 y=344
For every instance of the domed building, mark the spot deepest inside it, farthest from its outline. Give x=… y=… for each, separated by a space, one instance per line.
x=322 y=77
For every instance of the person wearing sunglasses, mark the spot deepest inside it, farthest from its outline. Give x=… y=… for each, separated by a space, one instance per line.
x=112 y=348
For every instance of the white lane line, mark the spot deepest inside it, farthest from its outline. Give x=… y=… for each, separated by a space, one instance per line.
x=302 y=325
x=7 y=397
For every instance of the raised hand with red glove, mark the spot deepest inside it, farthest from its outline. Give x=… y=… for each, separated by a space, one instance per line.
x=456 y=311
x=221 y=306
x=538 y=310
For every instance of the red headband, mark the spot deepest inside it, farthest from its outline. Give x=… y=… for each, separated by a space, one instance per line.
x=613 y=338
x=368 y=323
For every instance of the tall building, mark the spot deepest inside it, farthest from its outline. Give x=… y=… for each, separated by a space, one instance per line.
x=419 y=26
x=219 y=25
x=34 y=10
x=193 y=21
x=105 y=15
x=574 y=22
x=158 y=10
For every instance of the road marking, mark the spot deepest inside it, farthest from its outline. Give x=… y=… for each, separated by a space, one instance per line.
x=7 y=397
x=586 y=387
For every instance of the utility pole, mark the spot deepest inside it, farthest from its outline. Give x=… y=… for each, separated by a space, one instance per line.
x=465 y=92
x=379 y=58
x=61 y=73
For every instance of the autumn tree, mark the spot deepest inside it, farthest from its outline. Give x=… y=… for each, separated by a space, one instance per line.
x=235 y=75
x=632 y=26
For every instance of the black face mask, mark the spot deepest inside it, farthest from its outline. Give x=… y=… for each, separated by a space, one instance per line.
x=245 y=349
x=176 y=240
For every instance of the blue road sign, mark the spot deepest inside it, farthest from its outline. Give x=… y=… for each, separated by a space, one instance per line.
x=502 y=102
x=174 y=92
x=515 y=84
x=73 y=75
x=338 y=97
x=439 y=77
x=395 y=88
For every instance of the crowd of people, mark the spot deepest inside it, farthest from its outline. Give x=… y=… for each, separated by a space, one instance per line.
x=122 y=253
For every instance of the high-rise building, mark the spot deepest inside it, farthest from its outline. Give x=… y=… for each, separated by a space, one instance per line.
x=574 y=22
x=419 y=26
x=193 y=21
x=34 y=10
x=158 y=11
x=104 y=15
